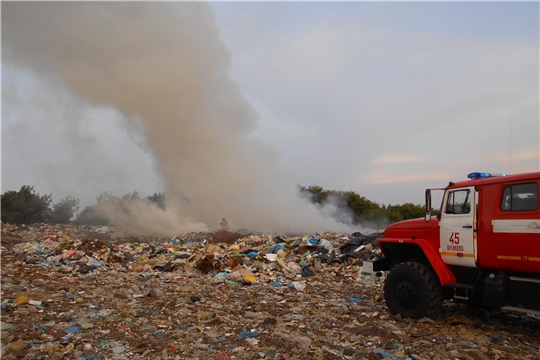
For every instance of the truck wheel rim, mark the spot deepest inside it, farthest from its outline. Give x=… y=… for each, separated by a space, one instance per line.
x=406 y=294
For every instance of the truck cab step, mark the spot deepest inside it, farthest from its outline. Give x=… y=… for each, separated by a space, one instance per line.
x=462 y=291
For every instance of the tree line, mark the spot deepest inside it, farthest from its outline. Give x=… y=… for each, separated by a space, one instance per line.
x=26 y=206
x=364 y=210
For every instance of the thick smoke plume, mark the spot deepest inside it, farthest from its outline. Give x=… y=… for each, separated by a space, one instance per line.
x=164 y=65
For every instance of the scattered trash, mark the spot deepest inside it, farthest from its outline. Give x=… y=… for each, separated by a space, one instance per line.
x=247 y=334
x=386 y=354
x=97 y=292
x=73 y=329
x=21 y=300
x=298 y=285
x=18 y=345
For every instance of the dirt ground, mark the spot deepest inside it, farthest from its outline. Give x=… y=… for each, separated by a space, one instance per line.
x=96 y=293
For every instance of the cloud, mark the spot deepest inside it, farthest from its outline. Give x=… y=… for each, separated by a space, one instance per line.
x=526 y=160
x=527 y=155
x=371 y=91
x=389 y=178
x=390 y=159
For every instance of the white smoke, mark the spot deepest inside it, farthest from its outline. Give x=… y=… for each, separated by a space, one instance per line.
x=164 y=69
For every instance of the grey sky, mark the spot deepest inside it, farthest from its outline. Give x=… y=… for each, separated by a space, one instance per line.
x=388 y=98
x=384 y=99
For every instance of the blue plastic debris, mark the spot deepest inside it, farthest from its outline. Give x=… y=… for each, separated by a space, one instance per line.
x=247 y=334
x=325 y=244
x=303 y=264
x=158 y=334
x=313 y=241
x=387 y=354
x=276 y=248
x=355 y=300
x=222 y=276
x=93 y=357
x=73 y=329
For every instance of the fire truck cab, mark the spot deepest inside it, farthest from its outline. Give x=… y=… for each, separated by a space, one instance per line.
x=483 y=247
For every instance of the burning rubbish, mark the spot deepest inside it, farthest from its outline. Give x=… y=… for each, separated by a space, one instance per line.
x=95 y=292
x=207 y=296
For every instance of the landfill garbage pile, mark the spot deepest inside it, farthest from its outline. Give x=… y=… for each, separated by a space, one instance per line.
x=88 y=292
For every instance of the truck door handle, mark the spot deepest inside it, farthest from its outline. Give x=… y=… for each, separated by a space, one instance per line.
x=533 y=225
x=467 y=226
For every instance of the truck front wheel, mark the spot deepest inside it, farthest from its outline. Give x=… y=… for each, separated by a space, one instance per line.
x=412 y=290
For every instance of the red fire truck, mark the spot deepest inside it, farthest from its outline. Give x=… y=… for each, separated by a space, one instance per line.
x=483 y=247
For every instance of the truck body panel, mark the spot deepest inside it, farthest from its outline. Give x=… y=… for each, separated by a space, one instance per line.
x=483 y=246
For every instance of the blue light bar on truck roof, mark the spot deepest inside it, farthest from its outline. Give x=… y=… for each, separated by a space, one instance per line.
x=482 y=175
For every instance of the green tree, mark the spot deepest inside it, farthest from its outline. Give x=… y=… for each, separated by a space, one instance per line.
x=408 y=210
x=361 y=206
x=318 y=194
x=393 y=214
x=363 y=209
x=25 y=206
x=63 y=212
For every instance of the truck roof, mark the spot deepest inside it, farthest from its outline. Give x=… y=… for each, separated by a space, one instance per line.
x=496 y=179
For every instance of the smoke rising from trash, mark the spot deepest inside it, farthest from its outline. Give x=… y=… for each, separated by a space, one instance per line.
x=164 y=68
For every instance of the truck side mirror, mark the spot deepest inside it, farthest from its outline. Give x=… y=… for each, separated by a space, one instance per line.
x=427 y=217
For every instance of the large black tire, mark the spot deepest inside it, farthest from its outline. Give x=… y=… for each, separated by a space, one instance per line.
x=412 y=290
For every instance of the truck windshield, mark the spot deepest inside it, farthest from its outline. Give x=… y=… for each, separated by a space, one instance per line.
x=458 y=202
